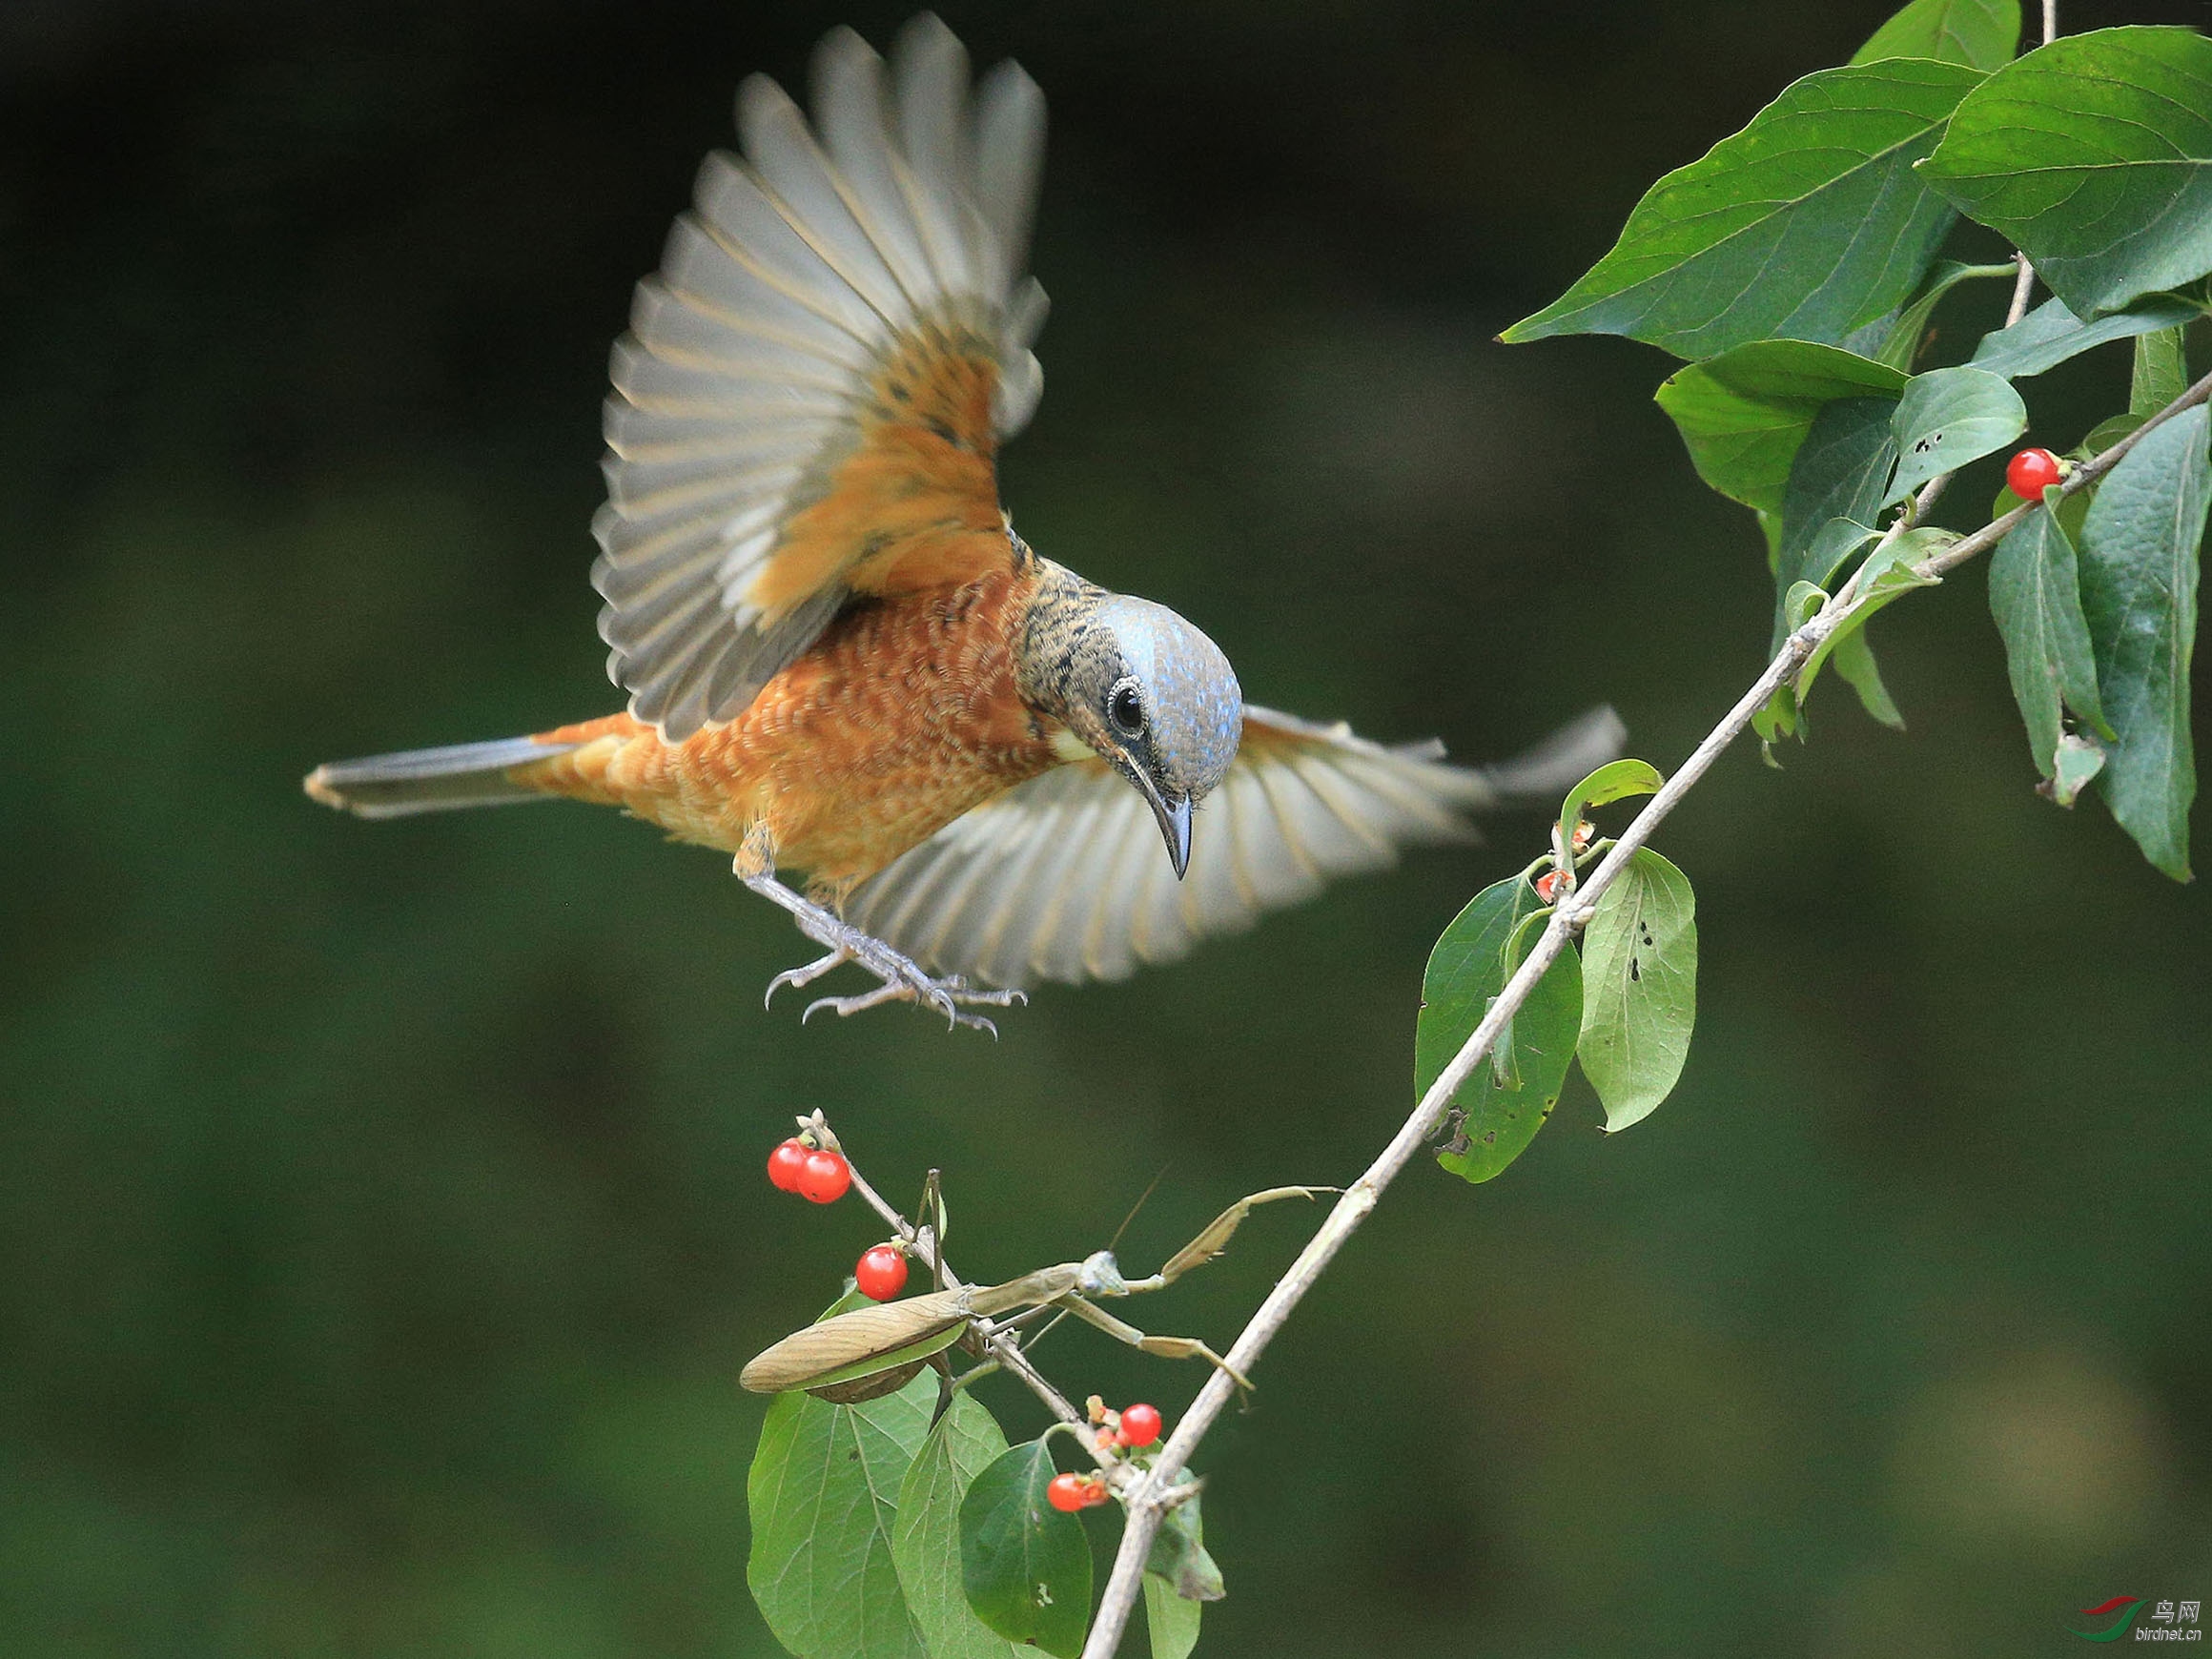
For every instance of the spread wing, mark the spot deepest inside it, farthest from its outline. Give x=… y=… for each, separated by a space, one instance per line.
x=1064 y=878
x=810 y=396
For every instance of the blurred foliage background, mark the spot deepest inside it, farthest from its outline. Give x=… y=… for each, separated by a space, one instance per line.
x=382 y=1218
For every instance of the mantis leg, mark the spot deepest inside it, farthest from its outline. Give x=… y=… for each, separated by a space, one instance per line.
x=1166 y=1347
x=1215 y=1239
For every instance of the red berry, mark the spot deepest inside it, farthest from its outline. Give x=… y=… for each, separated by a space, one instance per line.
x=1547 y=885
x=786 y=1163
x=825 y=1178
x=882 y=1273
x=2032 y=472
x=1582 y=832
x=1140 y=1423
x=1069 y=1493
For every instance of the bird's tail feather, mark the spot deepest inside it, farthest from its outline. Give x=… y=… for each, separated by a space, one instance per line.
x=432 y=780
x=1568 y=756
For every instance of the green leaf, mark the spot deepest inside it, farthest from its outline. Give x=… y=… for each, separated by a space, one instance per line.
x=2094 y=155
x=2138 y=592
x=1640 y=988
x=1744 y=415
x=2050 y=334
x=823 y=1497
x=1179 y=1554
x=1842 y=472
x=1979 y=33
x=2160 y=374
x=1888 y=576
x=1948 y=418
x=925 y=1539
x=2035 y=594
x=1180 y=1577
x=1780 y=716
x=1868 y=338
x=1901 y=344
x=2079 y=760
x=1025 y=1566
x=1171 y=1621
x=2072 y=510
x=1614 y=780
x=1777 y=718
x=1466 y=972
x=1805 y=224
x=2102 y=436
x=1855 y=665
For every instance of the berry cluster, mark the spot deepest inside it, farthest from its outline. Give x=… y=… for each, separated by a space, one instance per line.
x=1133 y=1425
x=820 y=1175
x=817 y=1173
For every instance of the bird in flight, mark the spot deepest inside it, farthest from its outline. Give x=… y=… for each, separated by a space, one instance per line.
x=841 y=659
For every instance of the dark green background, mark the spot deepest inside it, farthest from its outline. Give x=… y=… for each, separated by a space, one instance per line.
x=381 y=1222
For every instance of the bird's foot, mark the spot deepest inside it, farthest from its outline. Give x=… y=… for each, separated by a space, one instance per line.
x=902 y=978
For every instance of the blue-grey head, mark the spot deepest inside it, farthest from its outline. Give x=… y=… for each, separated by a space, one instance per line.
x=1141 y=688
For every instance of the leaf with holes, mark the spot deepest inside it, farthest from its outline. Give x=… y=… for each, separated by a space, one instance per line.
x=1979 y=33
x=823 y=1499
x=1024 y=1566
x=1807 y=223
x=2094 y=156
x=2138 y=593
x=925 y=1539
x=1640 y=967
x=1948 y=418
x=1504 y=1101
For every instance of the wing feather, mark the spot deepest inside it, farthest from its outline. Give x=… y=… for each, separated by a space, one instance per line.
x=1064 y=878
x=808 y=403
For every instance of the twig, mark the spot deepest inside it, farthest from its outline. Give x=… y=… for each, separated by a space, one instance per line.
x=2021 y=289
x=1147 y=1499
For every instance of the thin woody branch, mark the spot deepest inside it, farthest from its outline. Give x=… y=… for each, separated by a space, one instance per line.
x=1149 y=1500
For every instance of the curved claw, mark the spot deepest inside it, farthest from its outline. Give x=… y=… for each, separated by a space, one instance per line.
x=901 y=978
x=806 y=974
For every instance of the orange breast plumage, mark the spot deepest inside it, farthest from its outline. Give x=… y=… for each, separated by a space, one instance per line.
x=903 y=715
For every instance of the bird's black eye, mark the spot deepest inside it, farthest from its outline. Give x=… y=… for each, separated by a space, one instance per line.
x=1125 y=708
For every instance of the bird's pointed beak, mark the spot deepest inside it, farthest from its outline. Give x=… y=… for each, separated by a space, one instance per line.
x=1173 y=814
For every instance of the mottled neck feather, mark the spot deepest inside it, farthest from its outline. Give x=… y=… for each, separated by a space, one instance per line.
x=1063 y=645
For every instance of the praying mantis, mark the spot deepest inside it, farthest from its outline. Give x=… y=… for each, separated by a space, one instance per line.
x=856 y=1354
